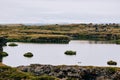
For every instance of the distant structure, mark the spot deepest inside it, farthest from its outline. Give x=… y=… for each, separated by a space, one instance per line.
x=3 y=42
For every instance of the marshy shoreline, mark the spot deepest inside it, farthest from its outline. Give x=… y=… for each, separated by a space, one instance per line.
x=61 y=34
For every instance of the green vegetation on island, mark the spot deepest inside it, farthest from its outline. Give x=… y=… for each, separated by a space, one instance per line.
x=70 y=52
x=13 y=44
x=111 y=62
x=28 y=54
x=4 y=54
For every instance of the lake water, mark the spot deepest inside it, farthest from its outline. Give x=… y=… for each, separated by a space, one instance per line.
x=88 y=53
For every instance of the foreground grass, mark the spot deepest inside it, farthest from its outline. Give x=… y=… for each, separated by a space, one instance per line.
x=9 y=73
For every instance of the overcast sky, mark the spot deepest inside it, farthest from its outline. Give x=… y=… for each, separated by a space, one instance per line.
x=59 y=11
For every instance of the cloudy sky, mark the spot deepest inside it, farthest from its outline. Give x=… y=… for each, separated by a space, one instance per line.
x=60 y=11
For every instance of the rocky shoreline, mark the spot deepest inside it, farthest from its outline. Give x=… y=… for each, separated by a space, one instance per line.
x=75 y=72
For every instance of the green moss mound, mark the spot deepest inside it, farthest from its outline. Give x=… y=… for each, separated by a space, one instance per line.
x=70 y=52
x=13 y=44
x=111 y=62
x=28 y=54
x=4 y=54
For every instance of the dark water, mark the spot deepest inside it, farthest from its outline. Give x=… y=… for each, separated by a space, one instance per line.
x=88 y=53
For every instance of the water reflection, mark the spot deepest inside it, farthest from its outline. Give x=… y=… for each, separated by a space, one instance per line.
x=100 y=42
x=92 y=42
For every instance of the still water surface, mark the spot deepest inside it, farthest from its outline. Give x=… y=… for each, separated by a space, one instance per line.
x=88 y=53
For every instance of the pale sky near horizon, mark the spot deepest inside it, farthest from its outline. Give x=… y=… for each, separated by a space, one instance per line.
x=60 y=11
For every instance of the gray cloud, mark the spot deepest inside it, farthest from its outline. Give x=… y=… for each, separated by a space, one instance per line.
x=31 y=11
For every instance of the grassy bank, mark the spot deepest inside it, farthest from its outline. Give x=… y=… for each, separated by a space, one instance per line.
x=40 y=38
x=9 y=73
x=60 y=33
